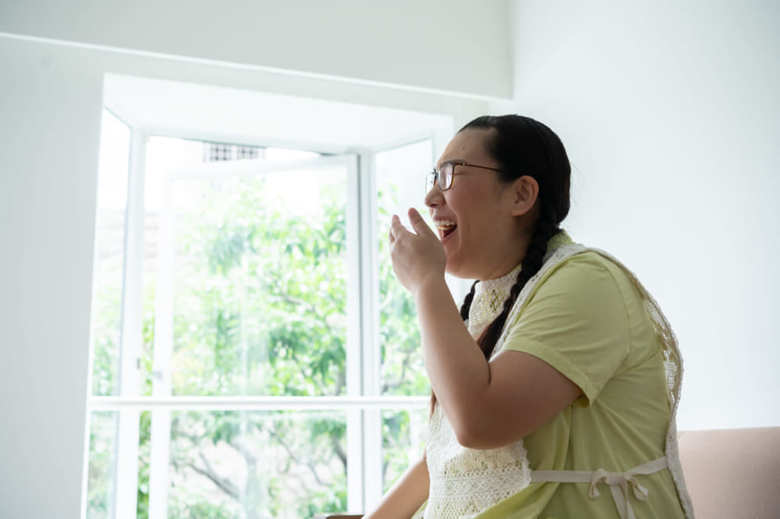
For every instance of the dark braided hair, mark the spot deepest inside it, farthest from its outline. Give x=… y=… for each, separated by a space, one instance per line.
x=523 y=146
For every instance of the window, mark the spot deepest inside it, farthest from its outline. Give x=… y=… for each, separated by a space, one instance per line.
x=252 y=352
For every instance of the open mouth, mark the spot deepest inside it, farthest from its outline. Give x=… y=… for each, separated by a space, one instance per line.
x=446 y=230
x=449 y=231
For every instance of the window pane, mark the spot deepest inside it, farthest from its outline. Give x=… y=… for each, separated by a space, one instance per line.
x=257 y=464
x=102 y=462
x=258 y=282
x=404 y=436
x=400 y=182
x=108 y=267
x=260 y=286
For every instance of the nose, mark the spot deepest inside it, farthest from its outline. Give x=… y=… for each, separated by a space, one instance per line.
x=434 y=197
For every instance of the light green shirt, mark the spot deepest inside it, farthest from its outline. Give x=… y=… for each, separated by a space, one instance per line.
x=586 y=319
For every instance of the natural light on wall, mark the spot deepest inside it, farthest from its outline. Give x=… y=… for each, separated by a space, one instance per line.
x=252 y=354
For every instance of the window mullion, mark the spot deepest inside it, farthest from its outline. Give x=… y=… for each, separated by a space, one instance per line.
x=159 y=449
x=354 y=355
x=126 y=480
x=369 y=278
x=372 y=424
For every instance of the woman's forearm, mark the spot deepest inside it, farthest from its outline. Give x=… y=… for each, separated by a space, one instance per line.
x=406 y=496
x=456 y=366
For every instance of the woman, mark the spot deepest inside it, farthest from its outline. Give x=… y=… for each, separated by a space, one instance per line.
x=556 y=384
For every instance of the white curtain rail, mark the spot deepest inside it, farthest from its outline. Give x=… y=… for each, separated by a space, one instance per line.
x=256 y=403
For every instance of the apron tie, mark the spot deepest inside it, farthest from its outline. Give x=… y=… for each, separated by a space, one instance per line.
x=620 y=483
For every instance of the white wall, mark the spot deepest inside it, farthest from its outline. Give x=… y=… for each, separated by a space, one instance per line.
x=671 y=116
x=50 y=108
x=453 y=45
x=47 y=207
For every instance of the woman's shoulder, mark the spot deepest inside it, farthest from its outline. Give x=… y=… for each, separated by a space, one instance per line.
x=596 y=278
x=583 y=283
x=574 y=256
x=583 y=268
x=587 y=267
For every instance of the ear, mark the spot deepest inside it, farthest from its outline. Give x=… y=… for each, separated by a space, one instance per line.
x=522 y=194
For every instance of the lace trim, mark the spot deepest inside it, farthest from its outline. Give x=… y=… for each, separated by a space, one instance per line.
x=489 y=297
x=464 y=482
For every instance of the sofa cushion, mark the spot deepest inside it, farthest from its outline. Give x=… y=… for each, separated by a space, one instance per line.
x=732 y=473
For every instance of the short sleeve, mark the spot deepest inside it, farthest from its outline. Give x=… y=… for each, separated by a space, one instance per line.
x=577 y=322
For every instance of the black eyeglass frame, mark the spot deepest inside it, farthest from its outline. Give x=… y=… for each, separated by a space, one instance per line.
x=435 y=176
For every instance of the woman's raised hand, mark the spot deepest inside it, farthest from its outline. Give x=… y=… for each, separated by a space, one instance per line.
x=417 y=258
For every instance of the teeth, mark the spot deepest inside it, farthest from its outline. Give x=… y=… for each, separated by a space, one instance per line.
x=445 y=224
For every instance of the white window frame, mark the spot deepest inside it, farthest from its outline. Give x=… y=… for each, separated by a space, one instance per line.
x=363 y=402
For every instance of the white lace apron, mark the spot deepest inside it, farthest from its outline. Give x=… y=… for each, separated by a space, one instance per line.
x=465 y=482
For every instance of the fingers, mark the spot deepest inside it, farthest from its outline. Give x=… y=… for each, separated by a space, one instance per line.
x=392 y=232
x=419 y=224
x=397 y=229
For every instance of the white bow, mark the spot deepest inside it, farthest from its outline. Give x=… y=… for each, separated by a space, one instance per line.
x=618 y=484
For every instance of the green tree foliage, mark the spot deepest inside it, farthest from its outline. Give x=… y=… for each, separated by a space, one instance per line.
x=101 y=463
x=260 y=309
x=260 y=298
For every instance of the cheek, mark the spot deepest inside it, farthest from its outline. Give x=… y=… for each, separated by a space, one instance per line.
x=462 y=204
x=472 y=211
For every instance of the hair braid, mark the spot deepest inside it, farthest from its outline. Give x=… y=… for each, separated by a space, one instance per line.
x=546 y=228
x=464 y=308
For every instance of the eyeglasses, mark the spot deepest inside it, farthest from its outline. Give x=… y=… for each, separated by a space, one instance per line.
x=444 y=175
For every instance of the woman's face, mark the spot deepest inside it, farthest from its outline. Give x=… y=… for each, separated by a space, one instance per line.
x=483 y=241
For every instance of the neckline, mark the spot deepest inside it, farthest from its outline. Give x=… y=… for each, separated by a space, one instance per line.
x=560 y=238
x=507 y=280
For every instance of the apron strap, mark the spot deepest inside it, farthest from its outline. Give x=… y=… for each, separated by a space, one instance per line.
x=618 y=482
